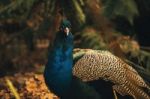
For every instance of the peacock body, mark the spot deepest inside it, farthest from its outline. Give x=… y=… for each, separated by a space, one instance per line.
x=58 y=71
x=95 y=65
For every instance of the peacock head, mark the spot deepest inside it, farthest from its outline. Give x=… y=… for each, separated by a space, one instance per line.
x=65 y=26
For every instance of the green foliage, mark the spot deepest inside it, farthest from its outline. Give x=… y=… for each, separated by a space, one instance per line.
x=124 y=8
x=17 y=9
x=141 y=63
x=144 y=59
x=91 y=39
x=4 y=2
x=79 y=11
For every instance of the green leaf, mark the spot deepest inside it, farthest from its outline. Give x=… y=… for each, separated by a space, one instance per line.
x=123 y=8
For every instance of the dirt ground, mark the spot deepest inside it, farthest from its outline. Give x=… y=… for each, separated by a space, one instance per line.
x=27 y=86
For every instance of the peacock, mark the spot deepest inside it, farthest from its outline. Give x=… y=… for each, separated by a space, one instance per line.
x=90 y=75
x=93 y=65
x=58 y=70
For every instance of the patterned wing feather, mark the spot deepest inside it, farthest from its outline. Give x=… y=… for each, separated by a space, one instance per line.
x=104 y=65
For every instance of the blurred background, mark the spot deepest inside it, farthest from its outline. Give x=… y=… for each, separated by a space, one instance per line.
x=28 y=27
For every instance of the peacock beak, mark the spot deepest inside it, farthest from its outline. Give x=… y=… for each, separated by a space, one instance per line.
x=66 y=30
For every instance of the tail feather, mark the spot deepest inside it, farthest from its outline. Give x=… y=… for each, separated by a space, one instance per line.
x=137 y=83
x=136 y=79
x=139 y=93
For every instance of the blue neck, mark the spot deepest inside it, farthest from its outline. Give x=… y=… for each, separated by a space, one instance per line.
x=58 y=71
